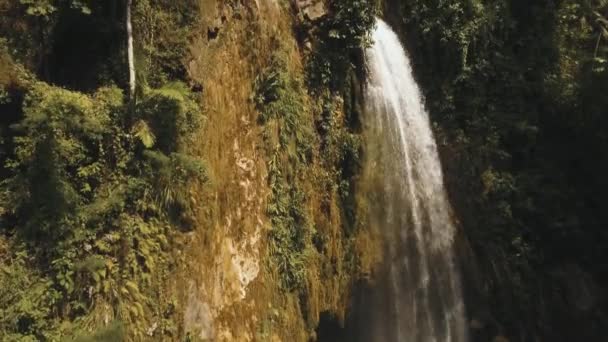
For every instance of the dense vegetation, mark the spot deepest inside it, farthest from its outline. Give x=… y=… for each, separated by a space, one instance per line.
x=314 y=148
x=517 y=89
x=95 y=184
x=97 y=181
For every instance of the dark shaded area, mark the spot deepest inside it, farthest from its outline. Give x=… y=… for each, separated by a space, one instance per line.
x=87 y=50
x=523 y=147
x=212 y=32
x=330 y=329
x=12 y=112
x=359 y=323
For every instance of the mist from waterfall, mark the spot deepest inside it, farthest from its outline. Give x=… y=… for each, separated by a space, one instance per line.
x=417 y=294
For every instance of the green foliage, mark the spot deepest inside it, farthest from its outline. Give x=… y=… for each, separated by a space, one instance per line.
x=288 y=119
x=82 y=175
x=92 y=189
x=112 y=333
x=144 y=133
x=171 y=179
x=340 y=38
x=163 y=29
x=26 y=299
x=516 y=90
x=41 y=33
x=266 y=88
x=29 y=25
x=291 y=231
x=172 y=114
x=62 y=134
x=280 y=97
x=39 y=7
x=45 y=8
x=341 y=145
x=350 y=23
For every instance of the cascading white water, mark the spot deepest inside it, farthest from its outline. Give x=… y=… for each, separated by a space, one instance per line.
x=418 y=294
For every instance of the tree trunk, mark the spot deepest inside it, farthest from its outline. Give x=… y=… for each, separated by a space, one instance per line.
x=130 y=51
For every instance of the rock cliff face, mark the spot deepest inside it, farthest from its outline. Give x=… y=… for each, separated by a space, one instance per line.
x=226 y=254
x=231 y=287
x=311 y=9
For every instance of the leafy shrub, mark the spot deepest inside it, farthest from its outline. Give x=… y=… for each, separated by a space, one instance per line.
x=61 y=137
x=171 y=176
x=172 y=114
x=163 y=29
x=266 y=88
x=280 y=97
x=514 y=88
x=26 y=300
x=341 y=36
x=112 y=333
x=81 y=177
x=291 y=231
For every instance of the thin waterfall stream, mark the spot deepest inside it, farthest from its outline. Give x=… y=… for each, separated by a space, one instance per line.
x=418 y=295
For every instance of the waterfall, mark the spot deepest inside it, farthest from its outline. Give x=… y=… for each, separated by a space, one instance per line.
x=417 y=296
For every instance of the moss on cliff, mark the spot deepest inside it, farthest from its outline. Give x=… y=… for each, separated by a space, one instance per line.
x=219 y=205
x=293 y=156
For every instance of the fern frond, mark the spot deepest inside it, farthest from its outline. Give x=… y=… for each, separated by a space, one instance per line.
x=144 y=133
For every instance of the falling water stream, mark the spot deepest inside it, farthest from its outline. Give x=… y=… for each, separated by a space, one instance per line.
x=418 y=295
